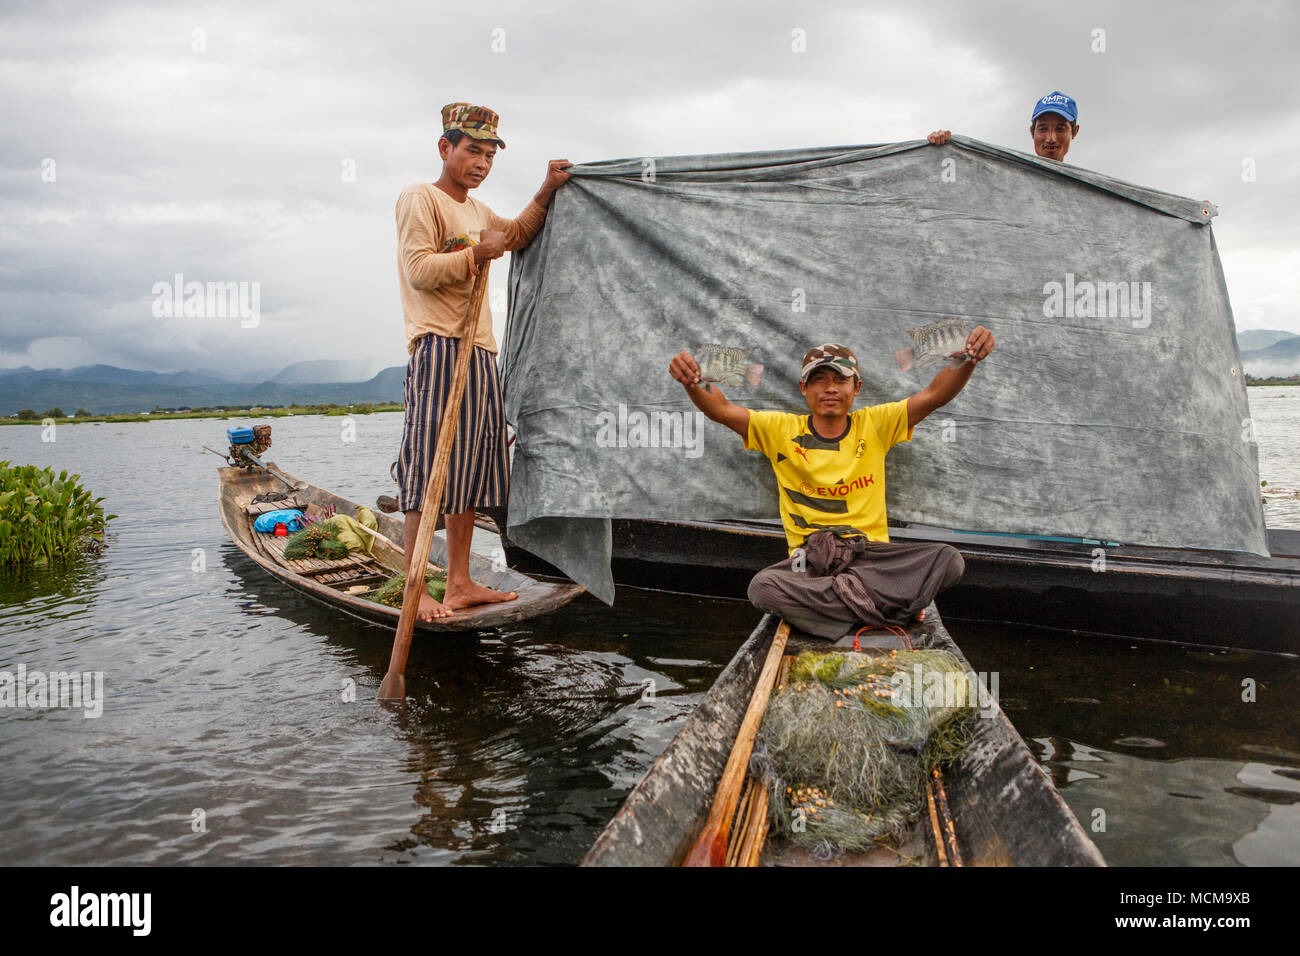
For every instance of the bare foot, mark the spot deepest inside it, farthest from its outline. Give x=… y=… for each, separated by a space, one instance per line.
x=920 y=615
x=430 y=609
x=472 y=593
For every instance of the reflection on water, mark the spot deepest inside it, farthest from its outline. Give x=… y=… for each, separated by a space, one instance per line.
x=230 y=694
x=1226 y=812
x=1158 y=750
x=240 y=721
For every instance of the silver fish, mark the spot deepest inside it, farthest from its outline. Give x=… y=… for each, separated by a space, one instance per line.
x=727 y=366
x=936 y=343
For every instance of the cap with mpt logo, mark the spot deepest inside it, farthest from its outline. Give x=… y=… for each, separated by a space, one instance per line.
x=1056 y=102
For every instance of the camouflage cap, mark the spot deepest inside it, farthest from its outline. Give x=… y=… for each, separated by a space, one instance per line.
x=477 y=122
x=838 y=357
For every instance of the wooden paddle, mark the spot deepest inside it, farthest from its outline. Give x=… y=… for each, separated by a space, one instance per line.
x=711 y=846
x=394 y=683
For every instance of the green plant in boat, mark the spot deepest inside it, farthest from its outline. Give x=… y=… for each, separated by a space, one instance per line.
x=390 y=592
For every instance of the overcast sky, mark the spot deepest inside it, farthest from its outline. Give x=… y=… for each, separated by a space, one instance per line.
x=220 y=154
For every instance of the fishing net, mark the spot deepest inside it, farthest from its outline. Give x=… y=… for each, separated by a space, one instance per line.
x=319 y=540
x=845 y=746
x=390 y=592
x=329 y=536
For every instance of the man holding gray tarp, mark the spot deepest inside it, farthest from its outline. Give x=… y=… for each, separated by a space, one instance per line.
x=843 y=571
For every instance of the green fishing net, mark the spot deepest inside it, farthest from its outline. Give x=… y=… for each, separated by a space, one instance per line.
x=390 y=592
x=319 y=540
x=845 y=746
x=333 y=537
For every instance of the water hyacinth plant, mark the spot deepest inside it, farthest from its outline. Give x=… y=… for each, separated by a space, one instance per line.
x=45 y=517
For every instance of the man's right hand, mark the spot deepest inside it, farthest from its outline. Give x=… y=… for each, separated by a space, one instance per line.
x=684 y=368
x=939 y=137
x=491 y=245
x=709 y=399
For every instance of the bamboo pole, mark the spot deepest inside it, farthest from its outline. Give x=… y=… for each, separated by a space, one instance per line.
x=751 y=841
x=945 y=817
x=394 y=683
x=710 y=847
x=753 y=837
x=934 y=824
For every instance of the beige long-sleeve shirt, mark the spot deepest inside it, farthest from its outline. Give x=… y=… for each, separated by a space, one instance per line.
x=435 y=264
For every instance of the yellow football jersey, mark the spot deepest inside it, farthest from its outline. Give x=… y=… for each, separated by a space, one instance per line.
x=830 y=483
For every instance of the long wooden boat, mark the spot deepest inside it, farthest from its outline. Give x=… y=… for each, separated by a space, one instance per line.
x=330 y=582
x=1186 y=596
x=1005 y=809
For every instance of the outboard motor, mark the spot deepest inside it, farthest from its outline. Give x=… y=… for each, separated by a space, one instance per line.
x=248 y=444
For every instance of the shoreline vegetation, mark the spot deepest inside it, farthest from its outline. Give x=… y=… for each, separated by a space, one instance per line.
x=46 y=518
x=1293 y=380
x=29 y=417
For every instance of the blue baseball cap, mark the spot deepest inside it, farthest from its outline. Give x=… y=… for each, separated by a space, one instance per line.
x=1056 y=102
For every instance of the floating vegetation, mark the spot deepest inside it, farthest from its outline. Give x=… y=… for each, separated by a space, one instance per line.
x=845 y=746
x=44 y=517
x=390 y=592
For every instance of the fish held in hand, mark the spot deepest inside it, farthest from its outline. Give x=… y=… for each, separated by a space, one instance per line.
x=727 y=366
x=936 y=343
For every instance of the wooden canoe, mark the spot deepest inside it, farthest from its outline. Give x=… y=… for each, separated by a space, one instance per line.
x=1005 y=809
x=329 y=581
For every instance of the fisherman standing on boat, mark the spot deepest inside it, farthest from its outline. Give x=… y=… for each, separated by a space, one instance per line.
x=443 y=237
x=843 y=571
x=1053 y=125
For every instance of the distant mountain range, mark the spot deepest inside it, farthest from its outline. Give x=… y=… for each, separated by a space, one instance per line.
x=1253 y=339
x=324 y=371
x=108 y=390
x=1269 y=352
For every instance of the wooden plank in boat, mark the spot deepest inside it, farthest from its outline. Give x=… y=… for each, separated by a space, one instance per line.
x=349 y=570
x=312 y=567
x=262 y=507
x=274 y=546
x=309 y=566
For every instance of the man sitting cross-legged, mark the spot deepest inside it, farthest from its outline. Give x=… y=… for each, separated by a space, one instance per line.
x=843 y=571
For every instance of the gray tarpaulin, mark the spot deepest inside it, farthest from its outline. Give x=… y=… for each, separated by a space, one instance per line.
x=1114 y=406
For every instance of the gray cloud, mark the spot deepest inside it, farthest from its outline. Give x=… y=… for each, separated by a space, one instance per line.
x=225 y=164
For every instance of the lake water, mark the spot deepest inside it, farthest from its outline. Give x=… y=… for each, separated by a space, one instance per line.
x=1275 y=410
x=226 y=737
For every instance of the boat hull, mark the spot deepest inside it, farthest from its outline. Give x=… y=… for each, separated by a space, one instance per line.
x=1006 y=809
x=238 y=486
x=1220 y=599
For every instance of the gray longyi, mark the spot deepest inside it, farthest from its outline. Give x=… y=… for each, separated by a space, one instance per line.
x=1114 y=406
